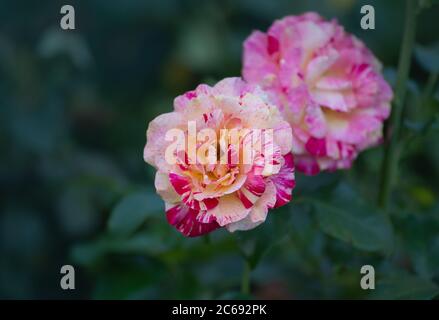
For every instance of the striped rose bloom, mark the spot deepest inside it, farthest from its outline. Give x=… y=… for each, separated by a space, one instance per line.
x=224 y=183
x=327 y=84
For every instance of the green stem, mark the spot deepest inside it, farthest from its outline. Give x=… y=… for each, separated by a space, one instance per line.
x=390 y=163
x=245 y=284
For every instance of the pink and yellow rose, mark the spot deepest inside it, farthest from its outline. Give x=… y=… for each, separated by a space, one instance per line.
x=221 y=184
x=327 y=84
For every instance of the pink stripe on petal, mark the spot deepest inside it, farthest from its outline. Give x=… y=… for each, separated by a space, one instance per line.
x=205 y=204
x=247 y=203
x=205 y=217
x=315 y=120
x=184 y=219
x=181 y=184
x=255 y=184
x=190 y=202
x=316 y=147
x=307 y=165
x=252 y=189
x=191 y=94
x=272 y=45
x=229 y=209
x=284 y=181
x=232 y=156
x=209 y=203
x=183 y=160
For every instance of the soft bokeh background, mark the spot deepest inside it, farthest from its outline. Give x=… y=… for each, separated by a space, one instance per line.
x=74 y=108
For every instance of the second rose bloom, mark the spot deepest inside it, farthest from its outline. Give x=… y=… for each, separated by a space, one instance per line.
x=327 y=84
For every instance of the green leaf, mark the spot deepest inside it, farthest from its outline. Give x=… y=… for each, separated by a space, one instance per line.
x=149 y=243
x=89 y=254
x=420 y=241
x=347 y=217
x=132 y=211
x=428 y=57
x=143 y=243
x=403 y=286
x=128 y=281
x=255 y=244
x=390 y=76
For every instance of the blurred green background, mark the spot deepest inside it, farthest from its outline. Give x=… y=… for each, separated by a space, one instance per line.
x=74 y=108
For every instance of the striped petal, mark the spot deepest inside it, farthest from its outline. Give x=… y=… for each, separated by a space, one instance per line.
x=229 y=209
x=184 y=219
x=183 y=187
x=252 y=190
x=284 y=181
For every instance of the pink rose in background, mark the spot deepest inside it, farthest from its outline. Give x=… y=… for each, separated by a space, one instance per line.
x=237 y=195
x=327 y=84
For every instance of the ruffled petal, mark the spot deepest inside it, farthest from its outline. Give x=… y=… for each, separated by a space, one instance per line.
x=252 y=190
x=259 y=212
x=229 y=209
x=258 y=64
x=184 y=219
x=284 y=181
x=154 y=151
x=308 y=165
x=183 y=186
x=165 y=189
